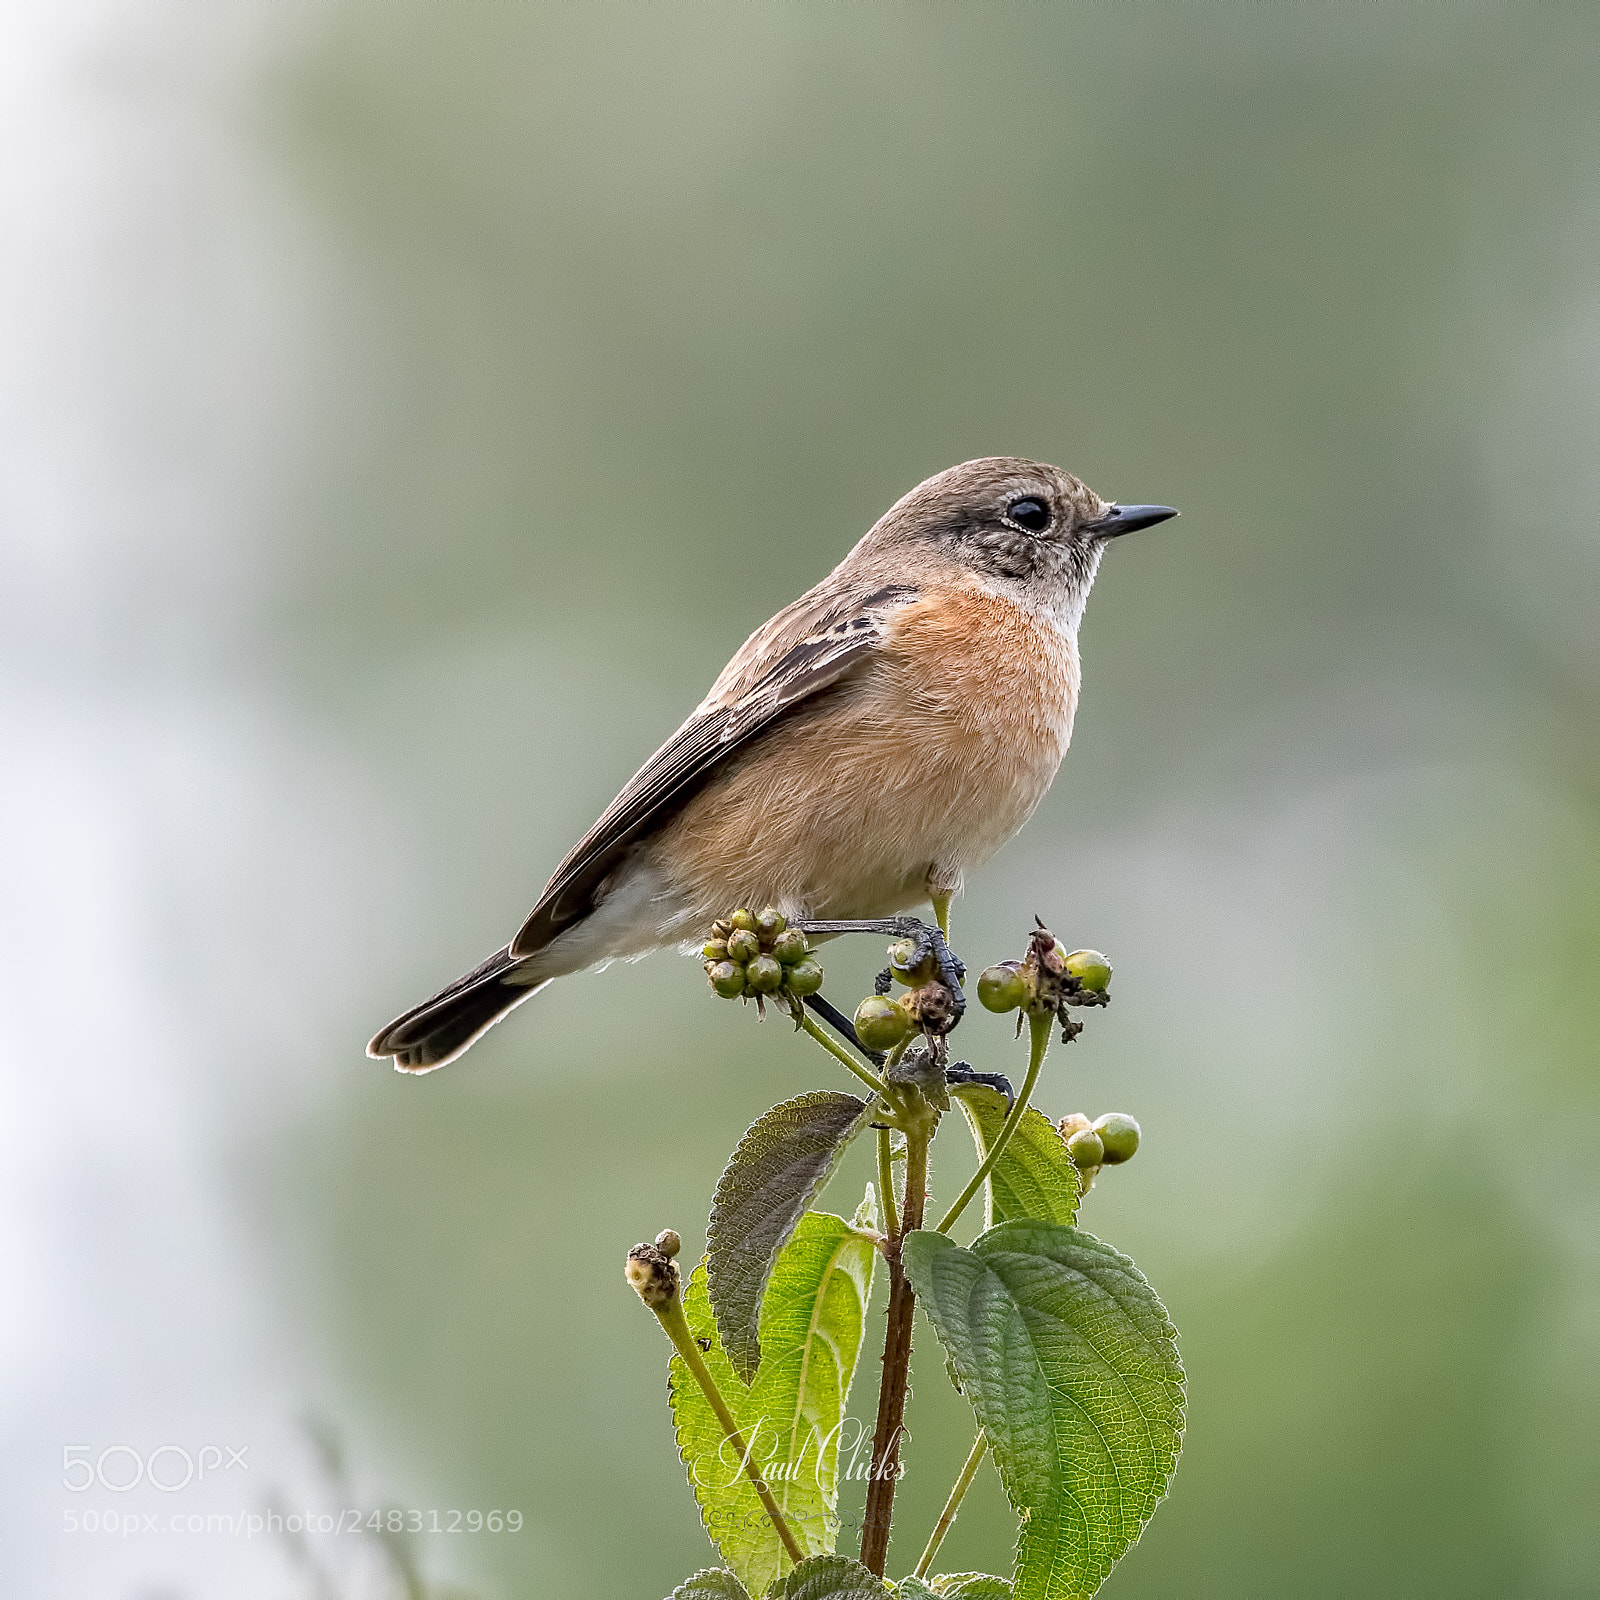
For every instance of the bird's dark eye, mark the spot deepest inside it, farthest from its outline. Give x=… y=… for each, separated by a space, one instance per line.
x=1034 y=515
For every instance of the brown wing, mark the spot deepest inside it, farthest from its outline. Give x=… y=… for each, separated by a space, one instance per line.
x=804 y=649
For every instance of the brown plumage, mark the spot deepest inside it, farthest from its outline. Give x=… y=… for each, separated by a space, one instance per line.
x=862 y=750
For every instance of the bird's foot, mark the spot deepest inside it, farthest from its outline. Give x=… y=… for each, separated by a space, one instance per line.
x=926 y=940
x=962 y=1072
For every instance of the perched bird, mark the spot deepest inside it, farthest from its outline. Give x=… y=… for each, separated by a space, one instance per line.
x=877 y=739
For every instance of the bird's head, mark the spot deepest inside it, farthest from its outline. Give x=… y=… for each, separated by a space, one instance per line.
x=1028 y=527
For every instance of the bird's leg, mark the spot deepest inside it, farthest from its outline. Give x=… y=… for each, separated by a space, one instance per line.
x=926 y=940
x=841 y=1025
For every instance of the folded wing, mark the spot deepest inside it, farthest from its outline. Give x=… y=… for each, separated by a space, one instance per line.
x=808 y=647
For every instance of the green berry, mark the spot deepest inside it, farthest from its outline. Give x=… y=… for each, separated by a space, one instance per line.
x=1119 y=1133
x=901 y=958
x=770 y=924
x=1002 y=987
x=1090 y=968
x=764 y=975
x=791 y=946
x=743 y=945
x=743 y=920
x=880 y=1023
x=804 y=977
x=715 y=950
x=1086 y=1149
x=727 y=978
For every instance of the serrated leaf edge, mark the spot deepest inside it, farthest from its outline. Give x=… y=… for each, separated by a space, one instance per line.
x=733 y=1347
x=831 y=1519
x=682 y=1592
x=853 y=1233
x=967 y=1094
x=847 y=1568
x=1166 y=1332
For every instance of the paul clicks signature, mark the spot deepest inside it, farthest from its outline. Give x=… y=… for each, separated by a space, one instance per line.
x=845 y=1451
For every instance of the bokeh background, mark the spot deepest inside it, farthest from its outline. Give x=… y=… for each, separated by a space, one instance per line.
x=406 y=409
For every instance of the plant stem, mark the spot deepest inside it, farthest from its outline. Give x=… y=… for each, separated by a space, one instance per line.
x=919 y=1129
x=891 y=1218
x=952 y=1505
x=871 y=1079
x=670 y=1314
x=1039 y=1043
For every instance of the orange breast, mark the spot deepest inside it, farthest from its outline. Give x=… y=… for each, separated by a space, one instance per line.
x=921 y=767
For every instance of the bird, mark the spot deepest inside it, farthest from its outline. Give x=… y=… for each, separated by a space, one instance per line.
x=864 y=750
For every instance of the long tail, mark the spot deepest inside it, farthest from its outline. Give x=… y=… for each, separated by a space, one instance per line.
x=440 y=1029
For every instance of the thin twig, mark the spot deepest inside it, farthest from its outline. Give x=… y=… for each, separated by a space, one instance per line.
x=891 y=1217
x=952 y=1505
x=871 y=1079
x=885 y=1465
x=670 y=1313
x=1039 y=1044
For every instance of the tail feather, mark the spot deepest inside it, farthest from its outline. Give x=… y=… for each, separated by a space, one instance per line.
x=436 y=1032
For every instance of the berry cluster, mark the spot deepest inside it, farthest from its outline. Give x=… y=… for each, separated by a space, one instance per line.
x=1047 y=981
x=760 y=954
x=883 y=1021
x=1107 y=1141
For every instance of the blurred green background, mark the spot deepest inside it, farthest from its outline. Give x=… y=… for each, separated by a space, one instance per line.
x=408 y=408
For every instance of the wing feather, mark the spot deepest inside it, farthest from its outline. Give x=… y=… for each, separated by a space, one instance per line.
x=808 y=647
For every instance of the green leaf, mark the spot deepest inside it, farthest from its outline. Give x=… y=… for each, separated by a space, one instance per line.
x=955 y=1586
x=812 y=1319
x=714 y=1584
x=830 y=1578
x=1070 y=1363
x=777 y=1170
x=1035 y=1176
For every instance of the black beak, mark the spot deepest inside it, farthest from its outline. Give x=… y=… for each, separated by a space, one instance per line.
x=1128 y=519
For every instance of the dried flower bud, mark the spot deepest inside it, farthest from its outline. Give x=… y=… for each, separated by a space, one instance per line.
x=931 y=1008
x=1002 y=987
x=652 y=1275
x=764 y=975
x=805 y=977
x=881 y=1023
x=727 y=978
x=770 y=923
x=668 y=1243
x=791 y=947
x=715 y=950
x=1074 y=1122
x=1086 y=1149
x=743 y=945
x=1119 y=1133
